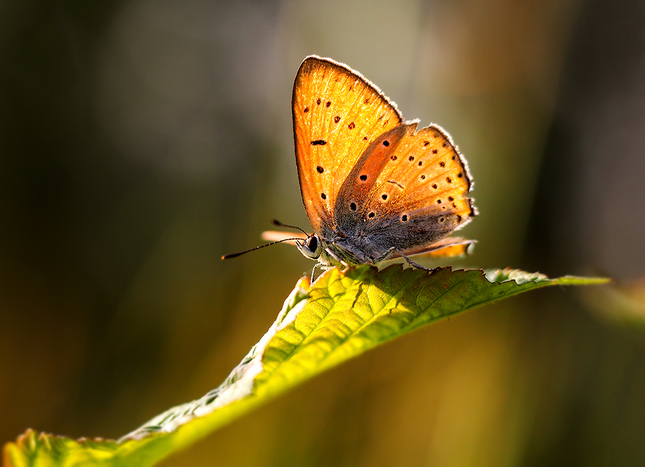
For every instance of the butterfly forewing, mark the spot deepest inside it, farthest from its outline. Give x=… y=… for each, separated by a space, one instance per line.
x=337 y=114
x=352 y=204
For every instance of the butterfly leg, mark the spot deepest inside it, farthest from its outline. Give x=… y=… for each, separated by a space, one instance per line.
x=412 y=263
x=407 y=258
x=313 y=272
x=333 y=255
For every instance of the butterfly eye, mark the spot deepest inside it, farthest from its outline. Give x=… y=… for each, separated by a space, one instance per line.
x=311 y=247
x=312 y=243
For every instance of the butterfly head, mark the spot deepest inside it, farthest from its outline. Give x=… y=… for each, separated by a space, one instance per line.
x=311 y=246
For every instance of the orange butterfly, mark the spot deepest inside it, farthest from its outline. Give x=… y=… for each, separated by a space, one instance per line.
x=375 y=188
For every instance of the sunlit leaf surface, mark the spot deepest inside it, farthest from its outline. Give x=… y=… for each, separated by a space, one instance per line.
x=340 y=316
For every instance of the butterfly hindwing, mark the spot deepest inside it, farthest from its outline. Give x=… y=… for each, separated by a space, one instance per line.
x=407 y=195
x=337 y=114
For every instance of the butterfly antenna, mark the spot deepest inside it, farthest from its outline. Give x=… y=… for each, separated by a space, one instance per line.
x=280 y=224
x=235 y=255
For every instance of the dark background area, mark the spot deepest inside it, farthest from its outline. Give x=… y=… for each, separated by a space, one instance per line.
x=140 y=141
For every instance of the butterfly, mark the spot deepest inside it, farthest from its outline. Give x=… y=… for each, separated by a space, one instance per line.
x=375 y=187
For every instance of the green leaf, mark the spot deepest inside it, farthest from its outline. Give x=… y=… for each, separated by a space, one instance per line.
x=340 y=316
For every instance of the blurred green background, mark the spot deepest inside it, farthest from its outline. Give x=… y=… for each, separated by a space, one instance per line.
x=141 y=140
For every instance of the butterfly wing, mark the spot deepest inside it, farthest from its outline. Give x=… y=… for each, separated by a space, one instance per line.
x=412 y=193
x=444 y=248
x=336 y=115
x=279 y=236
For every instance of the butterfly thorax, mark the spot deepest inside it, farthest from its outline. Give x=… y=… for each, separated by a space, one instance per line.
x=342 y=254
